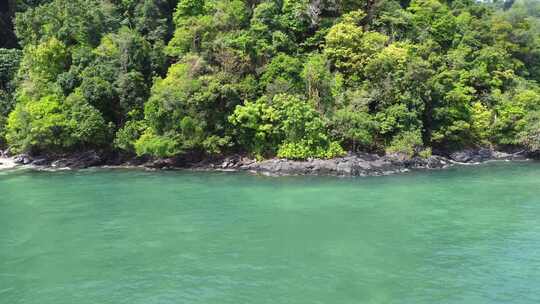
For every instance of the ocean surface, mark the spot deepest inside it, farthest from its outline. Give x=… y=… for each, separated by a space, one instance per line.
x=462 y=235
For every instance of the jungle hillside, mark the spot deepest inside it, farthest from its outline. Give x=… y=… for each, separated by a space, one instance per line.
x=294 y=79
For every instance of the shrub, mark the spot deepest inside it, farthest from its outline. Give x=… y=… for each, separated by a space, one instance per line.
x=407 y=143
x=160 y=146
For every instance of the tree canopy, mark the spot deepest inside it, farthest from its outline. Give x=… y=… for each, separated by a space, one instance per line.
x=294 y=79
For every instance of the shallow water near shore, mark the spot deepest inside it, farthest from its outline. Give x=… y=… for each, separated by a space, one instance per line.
x=461 y=235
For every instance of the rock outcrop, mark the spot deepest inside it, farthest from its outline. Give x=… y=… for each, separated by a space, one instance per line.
x=484 y=154
x=351 y=165
x=354 y=164
x=23 y=159
x=74 y=161
x=79 y=161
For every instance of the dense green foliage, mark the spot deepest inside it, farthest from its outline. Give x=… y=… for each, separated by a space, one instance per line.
x=295 y=79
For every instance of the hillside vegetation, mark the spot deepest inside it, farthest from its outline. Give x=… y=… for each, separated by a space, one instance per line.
x=288 y=78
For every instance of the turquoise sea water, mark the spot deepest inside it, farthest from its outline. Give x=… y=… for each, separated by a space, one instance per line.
x=463 y=235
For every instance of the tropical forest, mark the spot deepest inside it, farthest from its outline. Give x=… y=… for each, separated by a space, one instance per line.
x=293 y=79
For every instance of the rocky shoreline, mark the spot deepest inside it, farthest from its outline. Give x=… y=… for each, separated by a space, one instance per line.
x=364 y=164
x=357 y=164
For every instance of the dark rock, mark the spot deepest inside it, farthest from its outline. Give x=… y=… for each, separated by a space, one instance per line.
x=89 y=159
x=515 y=155
x=436 y=162
x=398 y=157
x=485 y=154
x=79 y=161
x=59 y=163
x=532 y=154
x=344 y=166
x=22 y=159
x=229 y=162
x=162 y=163
x=462 y=156
x=358 y=164
x=472 y=155
x=40 y=162
x=351 y=165
x=432 y=162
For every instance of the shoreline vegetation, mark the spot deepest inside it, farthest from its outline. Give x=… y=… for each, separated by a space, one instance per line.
x=356 y=87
